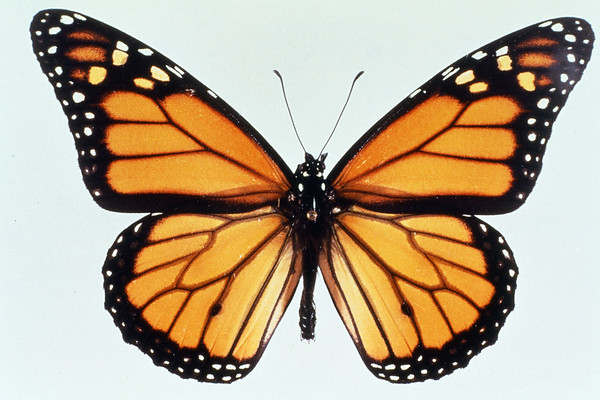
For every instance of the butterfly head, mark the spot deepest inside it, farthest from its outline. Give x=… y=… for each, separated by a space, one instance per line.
x=312 y=166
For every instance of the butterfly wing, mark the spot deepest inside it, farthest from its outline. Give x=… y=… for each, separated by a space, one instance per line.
x=419 y=294
x=149 y=136
x=202 y=294
x=470 y=140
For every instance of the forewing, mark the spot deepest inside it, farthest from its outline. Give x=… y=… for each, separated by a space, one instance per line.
x=149 y=136
x=470 y=140
x=202 y=294
x=420 y=295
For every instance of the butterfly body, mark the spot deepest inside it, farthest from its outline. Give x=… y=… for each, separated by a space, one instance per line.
x=200 y=283
x=310 y=204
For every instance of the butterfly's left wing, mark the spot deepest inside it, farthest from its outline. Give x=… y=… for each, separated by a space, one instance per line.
x=149 y=136
x=202 y=294
x=420 y=295
x=470 y=140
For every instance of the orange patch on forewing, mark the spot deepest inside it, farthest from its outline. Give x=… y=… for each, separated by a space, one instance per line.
x=431 y=175
x=78 y=73
x=481 y=143
x=192 y=174
x=495 y=110
x=537 y=42
x=87 y=54
x=544 y=80
x=138 y=139
x=404 y=135
x=87 y=36
x=536 y=60
x=219 y=134
x=129 y=106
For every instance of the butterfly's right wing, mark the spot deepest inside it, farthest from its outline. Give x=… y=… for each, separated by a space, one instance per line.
x=149 y=136
x=202 y=294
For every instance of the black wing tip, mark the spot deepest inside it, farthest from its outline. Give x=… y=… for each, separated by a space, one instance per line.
x=581 y=27
x=41 y=16
x=570 y=19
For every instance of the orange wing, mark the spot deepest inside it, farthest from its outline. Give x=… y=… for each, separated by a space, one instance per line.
x=149 y=136
x=420 y=295
x=470 y=140
x=202 y=294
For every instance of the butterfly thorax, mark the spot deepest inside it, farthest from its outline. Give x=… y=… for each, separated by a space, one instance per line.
x=309 y=192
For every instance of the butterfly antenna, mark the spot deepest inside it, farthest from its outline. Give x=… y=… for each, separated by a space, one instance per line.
x=342 y=112
x=288 y=108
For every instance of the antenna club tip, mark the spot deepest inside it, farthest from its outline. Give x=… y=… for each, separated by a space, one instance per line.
x=277 y=73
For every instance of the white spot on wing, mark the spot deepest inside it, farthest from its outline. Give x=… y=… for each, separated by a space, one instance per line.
x=122 y=46
x=66 y=20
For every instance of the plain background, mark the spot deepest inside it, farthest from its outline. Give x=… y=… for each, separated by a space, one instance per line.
x=58 y=342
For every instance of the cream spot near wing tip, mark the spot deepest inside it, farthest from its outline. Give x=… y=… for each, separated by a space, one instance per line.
x=478 y=87
x=504 y=63
x=159 y=74
x=143 y=83
x=96 y=75
x=119 y=57
x=465 y=77
x=526 y=80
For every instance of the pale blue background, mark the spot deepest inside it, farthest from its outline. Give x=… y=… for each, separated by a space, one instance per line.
x=58 y=342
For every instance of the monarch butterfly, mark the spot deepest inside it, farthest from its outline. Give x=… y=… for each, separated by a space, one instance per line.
x=201 y=283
